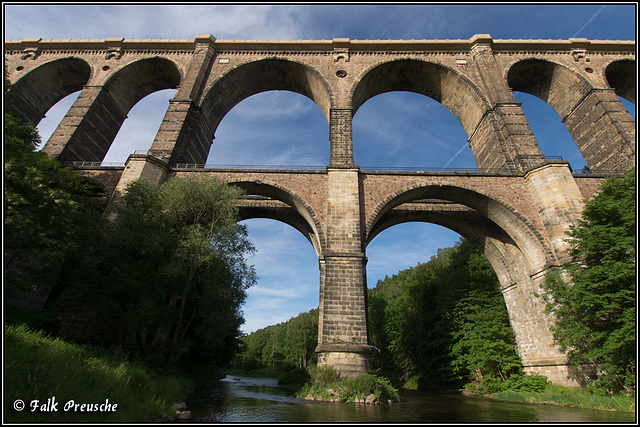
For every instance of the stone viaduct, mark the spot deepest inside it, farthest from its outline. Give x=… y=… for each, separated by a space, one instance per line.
x=516 y=206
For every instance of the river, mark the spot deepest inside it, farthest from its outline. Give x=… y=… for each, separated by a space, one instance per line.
x=237 y=399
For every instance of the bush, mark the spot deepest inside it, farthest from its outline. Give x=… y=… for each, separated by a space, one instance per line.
x=526 y=383
x=366 y=384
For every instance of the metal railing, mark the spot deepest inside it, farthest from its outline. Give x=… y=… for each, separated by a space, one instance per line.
x=425 y=169
x=269 y=167
x=81 y=164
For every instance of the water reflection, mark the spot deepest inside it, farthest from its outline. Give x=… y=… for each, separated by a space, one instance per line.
x=245 y=400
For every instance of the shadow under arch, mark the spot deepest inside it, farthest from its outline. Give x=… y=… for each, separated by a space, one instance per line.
x=138 y=79
x=281 y=204
x=109 y=106
x=501 y=222
x=555 y=84
x=41 y=88
x=457 y=93
x=254 y=77
x=621 y=76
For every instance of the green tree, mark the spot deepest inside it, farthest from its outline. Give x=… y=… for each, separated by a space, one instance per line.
x=50 y=212
x=595 y=309
x=174 y=265
x=443 y=323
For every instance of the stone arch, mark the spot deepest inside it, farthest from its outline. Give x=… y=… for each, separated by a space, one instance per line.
x=456 y=92
x=254 y=77
x=104 y=109
x=621 y=76
x=41 y=88
x=512 y=227
x=295 y=212
x=516 y=252
x=496 y=245
x=555 y=84
x=610 y=145
x=138 y=79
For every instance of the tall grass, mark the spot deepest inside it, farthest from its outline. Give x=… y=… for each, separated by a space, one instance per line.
x=585 y=398
x=38 y=367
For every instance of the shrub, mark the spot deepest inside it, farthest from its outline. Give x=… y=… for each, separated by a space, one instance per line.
x=366 y=384
x=526 y=383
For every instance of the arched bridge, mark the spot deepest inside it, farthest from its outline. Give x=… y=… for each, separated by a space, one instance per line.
x=515 y=207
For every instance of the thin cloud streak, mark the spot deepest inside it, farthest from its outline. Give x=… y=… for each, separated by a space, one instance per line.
x=589 y=21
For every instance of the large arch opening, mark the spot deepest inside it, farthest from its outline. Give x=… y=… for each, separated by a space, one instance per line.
x=288 y=275
x=34 y=94
x=512 y=248
x=421 y=312
x=272 y=128
x=550 y=132
x=401 y=129
x=256 y=77
x=93 y=137
x=622 y=76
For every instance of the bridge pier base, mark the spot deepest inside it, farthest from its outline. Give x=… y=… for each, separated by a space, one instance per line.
x=349 y=360
x=343 y=334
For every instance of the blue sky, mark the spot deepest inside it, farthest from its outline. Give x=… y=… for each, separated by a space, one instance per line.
x=283 y=128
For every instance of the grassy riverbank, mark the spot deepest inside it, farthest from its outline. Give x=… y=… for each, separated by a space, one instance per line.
x=42 y=368
x=585 y=398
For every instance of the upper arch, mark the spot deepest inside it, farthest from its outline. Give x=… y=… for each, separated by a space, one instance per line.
x=263 y=75
x=41 y=88
x=555 y=84
x=436 y=81
x=138 y=79
x=621 y=76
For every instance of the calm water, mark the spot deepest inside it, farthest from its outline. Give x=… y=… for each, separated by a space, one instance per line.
x=253 y=400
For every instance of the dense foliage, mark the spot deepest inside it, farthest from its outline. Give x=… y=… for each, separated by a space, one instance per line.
x=48 y=209
x=443 y=323
x=162 y=268
x=596 y=309
x=285 y=346
x=170 y=271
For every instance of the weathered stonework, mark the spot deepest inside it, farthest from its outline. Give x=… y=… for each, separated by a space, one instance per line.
x=515 y=208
